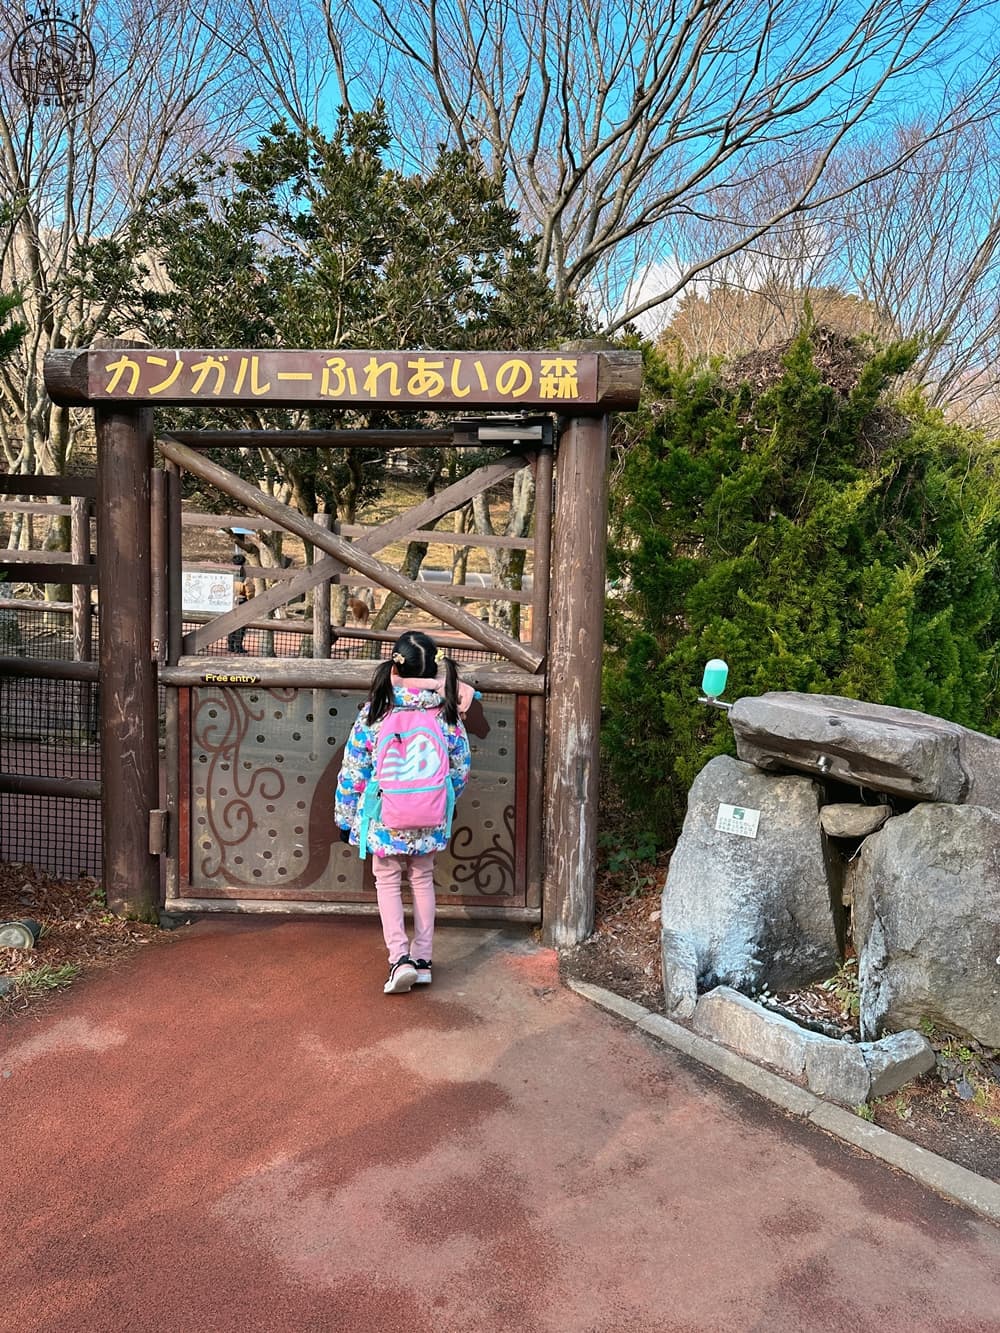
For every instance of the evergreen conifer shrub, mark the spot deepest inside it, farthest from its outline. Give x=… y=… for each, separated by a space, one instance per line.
x=812 y=533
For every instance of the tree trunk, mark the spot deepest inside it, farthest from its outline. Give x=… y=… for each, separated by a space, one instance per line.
x=505 y=566
x=460 y=555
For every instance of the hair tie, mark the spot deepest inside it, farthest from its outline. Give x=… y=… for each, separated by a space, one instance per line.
x=439 y=656
x=399 y=658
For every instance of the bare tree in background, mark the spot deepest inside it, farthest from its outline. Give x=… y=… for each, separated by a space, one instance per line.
x=923 y=244
x=615 y=122
x=761 y=295
x=77 y=173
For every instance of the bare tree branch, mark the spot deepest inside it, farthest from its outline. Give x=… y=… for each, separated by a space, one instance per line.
x=613 y=120
x=81 y=172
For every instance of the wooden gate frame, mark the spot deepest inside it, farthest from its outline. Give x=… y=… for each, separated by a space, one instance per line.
x=122 y=383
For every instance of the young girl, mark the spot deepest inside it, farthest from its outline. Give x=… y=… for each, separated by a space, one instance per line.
x=417 y=676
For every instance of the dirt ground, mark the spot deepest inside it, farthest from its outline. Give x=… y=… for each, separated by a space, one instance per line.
x=953 y=1111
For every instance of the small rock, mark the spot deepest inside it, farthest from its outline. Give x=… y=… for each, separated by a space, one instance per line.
x=852 y=821
x=171 y=921
x=965 y=1090
x=7 y=984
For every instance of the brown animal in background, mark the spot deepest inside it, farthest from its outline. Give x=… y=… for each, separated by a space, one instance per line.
x=358 y=610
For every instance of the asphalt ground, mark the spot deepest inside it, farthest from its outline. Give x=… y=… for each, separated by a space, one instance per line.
x=237 y=1131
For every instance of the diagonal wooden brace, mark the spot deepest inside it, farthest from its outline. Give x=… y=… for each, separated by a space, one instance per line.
x=352 y=555
x=444 y=502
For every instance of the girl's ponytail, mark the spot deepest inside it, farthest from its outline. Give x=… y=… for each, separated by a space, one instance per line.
x=380 y=696
x=450 y=710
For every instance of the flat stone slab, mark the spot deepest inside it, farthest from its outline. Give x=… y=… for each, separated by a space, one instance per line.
x=846 y=1072
x=893 y=750
x=737 y=1021
x=852 y=821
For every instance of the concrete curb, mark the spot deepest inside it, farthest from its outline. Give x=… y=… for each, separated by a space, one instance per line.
x=937 y=1173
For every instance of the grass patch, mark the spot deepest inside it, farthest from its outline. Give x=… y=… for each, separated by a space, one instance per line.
x=46 y=977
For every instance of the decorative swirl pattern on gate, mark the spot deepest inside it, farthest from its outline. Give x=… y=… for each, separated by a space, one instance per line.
x=219 y=724
x=490 y=870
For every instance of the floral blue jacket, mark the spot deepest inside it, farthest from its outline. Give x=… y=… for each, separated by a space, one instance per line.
x=357 y=769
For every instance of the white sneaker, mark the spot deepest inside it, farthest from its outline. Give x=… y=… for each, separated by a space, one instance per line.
x=402 y=975
x=423 y=967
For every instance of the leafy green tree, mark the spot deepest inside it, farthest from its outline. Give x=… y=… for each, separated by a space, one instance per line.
x=312 y=240
x=816 y=539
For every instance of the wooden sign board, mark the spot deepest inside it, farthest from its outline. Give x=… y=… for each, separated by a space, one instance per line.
x=561 y=381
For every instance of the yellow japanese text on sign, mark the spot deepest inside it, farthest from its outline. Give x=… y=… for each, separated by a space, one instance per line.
x=372 y=378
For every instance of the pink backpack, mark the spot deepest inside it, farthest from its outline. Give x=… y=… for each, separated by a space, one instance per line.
x=410 y=786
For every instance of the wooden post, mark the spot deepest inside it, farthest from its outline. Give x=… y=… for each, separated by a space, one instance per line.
x=576 y=640
x=158 y=564
x=540 y=582
x=127 y=672
x=171 y=703
x=174 y=564
x=83 y=613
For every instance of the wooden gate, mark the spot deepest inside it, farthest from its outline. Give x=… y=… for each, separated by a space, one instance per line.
x=253 y=744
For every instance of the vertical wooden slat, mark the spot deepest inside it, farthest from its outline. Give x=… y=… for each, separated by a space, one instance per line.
x=522 y=712
x=541 y=565
x=158 y=565
x=322 y=628
x=171 y=760
x=576 y=638
x=127 y=673
x=175 y=579
x=80 y=555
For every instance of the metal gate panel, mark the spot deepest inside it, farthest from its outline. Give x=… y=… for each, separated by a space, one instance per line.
x=258 y=771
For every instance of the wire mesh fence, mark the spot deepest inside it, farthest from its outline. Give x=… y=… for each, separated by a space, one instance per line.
x=50 y=730
x=58 y=834
x=44 y=630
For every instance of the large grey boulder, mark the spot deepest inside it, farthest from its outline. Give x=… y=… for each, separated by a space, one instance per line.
x=894 y=750
x=926 y=892
x=747 y=912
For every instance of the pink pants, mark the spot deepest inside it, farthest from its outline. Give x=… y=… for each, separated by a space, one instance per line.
x=388 y=872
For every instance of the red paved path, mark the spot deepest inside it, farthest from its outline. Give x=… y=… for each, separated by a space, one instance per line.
x=237 y=1131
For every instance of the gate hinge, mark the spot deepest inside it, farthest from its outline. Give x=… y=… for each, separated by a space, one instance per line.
x=157 y=832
